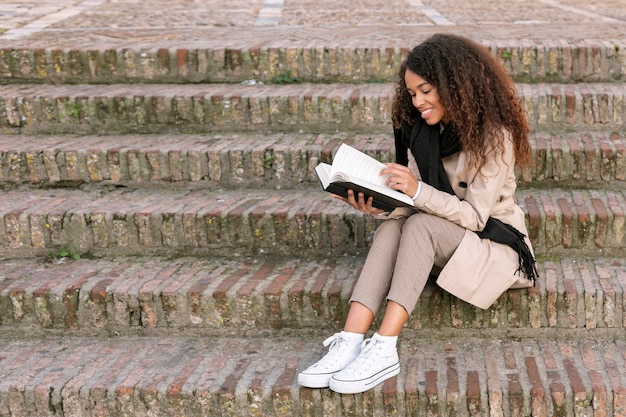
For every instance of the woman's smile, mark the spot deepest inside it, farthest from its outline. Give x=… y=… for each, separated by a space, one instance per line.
x=425 y=98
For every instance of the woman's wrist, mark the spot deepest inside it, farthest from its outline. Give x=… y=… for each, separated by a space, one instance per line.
x=417 y=192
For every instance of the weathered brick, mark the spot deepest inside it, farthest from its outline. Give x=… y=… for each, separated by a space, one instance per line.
x=99 y=386
x=173 y=300
x=282 y=399
x=149 y=300
x=95 y=305
x=18 y=394
x=227 y=390
x=273 y=294
x=126 y=388
x=72 y=401
x=46 y=300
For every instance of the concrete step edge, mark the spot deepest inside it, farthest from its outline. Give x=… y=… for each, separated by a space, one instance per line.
x=194 y=295
x=205 y=108
x=238 y=376
x=270 y=161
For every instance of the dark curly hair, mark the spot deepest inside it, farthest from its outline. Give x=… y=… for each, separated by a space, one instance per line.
x=479 y=96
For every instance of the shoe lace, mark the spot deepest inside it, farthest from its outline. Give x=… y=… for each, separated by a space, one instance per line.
x=335 y=341
x=335 y=344
x=369 y=348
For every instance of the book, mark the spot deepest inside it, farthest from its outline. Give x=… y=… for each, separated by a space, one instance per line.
x=354 y=170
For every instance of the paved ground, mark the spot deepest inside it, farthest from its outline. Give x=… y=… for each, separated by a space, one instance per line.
x=69 y=21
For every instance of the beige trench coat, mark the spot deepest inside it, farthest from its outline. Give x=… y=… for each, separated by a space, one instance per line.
x=480 y=270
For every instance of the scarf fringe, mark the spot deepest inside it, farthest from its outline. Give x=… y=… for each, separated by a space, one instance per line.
x=527 y=264
x=500 y=232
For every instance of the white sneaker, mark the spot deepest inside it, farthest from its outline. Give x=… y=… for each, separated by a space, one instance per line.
x=375 y=364
x=340 y=354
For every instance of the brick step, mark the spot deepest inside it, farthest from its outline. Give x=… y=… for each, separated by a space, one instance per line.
x=269 y=161
x=283 y=223
x=231 y=59
x=462 y=376
x=190 y=295
x=316 y=108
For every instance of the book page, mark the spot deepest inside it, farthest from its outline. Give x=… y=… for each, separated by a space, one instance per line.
x=357 y=164
x=349 y=168
x=323 y=173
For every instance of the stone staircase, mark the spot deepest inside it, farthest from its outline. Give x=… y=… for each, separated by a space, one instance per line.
x=212 y=265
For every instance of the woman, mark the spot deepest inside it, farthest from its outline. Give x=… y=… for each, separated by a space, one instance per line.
x=459 y=131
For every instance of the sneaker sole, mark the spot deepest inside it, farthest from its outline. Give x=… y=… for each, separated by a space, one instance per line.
x=314 y=381
x=362 y=385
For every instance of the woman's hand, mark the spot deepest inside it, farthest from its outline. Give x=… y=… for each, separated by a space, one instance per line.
x=359 y=203
x=400 y=178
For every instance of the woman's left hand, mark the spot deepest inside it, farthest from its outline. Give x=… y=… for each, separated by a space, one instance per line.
x=400 y=178
x=358 y=202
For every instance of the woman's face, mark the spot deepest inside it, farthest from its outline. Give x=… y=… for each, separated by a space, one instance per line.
x=425 y=99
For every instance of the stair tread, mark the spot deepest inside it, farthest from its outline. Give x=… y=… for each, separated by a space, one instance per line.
x=308 y=35
x=92 y=199
x=242 y=376
x=308 y=107
x=279 y=222
x=271 y=160
x=243 y=89
x=361 y=54
x=242 y=294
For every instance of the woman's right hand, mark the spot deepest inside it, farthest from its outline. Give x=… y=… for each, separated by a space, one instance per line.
x=359 y=203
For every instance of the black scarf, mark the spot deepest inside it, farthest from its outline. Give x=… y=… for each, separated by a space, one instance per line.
x=429 y=145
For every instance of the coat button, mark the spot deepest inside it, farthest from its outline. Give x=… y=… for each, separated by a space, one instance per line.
x=463 y=184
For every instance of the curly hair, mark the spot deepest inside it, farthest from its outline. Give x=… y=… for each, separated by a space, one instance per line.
x=477 y=93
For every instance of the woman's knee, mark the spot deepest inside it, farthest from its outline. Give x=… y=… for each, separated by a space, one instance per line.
x=441 y=235
x=431 y=228
x=420 y=222
x=390 y=229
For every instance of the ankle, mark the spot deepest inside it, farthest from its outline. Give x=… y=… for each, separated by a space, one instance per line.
x=389 y=342
x=352 y=337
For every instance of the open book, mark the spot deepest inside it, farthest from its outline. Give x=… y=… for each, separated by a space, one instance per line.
x=354 y=170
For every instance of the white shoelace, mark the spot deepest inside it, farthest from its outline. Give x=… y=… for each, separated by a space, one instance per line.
x=363 y=362
x=335 y=343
